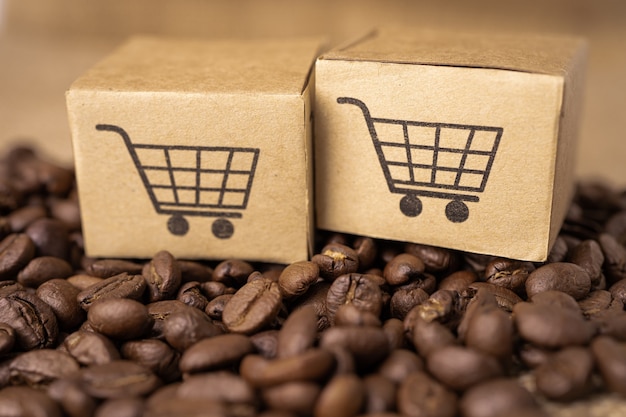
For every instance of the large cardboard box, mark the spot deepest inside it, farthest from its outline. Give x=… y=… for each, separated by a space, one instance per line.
x=453 y=140
x=201 y=147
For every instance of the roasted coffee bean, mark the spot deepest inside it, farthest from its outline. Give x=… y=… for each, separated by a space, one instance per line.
x=65 y=210
x=380 y=394
x=120 y=318
x=296 y=278
x=458 y=281
x=50 y=237
x=89 y=348
x=596 y=302
x=399 y=364
x=343 y=396
x=22 y=217
x=533 y=356
x=290 y=398
x=403 y=268
x=614 y=258
x=212 y=289
x=16 y=250
x=266 y=343
x=74 y=401
x=550 y=326
x=497 y=397
x=618 y=290
x=155 y=355
x=190 y=294
x=298 y=333
x=588 y=255
x=505 y=298
x=559 y=250
x=188 y=326
x=508 y=273
x=232 y=272
x=360 y=290
x=161 y=310
x=610 y=358
x=366 y=251
x=118 y=286
x=33 y=320
x=420 y=395
x=350 y=315
x=42 y=269
x=368 y=345
x=61 y=296
x=252 y=307
x=107 y=268
x=405 y=298
x=172 y=406
x=121 y=407
x=462 y=367
x=561 y=276
x=566 y=375
x=116 y=379
x=394 y=330
x=556 y=298
x=221 y=386
x=490 y=330
x=27 y=401
x=83 y=281
x=194 y=271
x=435 y=259
x=429 y=336
x=442 y=306
x=218 y=352
x=163 y=276
x=480 y=299
x=7 y=338
x=215 y=307
x=335 y=260
x=313 y=365
x=40 y=367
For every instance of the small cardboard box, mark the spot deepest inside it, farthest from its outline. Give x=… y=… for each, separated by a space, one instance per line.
x=459 y=141
x=201 y=147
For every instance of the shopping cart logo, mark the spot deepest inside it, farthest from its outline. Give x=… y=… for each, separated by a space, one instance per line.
x=210 y=181
x=439 y=160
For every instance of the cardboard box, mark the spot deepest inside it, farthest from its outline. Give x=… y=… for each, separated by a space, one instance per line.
x=459 y=141
x=201 y=147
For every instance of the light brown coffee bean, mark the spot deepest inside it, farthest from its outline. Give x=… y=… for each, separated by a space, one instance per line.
x=216 y=352
x=297 y=277
x=342 y=396
x=252 y=307
x=120 y=318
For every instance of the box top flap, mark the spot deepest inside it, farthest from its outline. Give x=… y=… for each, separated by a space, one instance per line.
x=159 y=64
x=528 y=53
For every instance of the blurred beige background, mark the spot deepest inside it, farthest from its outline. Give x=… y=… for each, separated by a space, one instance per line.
x=45 y=45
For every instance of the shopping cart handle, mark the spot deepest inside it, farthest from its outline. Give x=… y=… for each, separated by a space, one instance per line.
x=119 y=131
x=356 y=102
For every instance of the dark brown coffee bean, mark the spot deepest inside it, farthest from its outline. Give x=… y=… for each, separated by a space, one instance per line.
x=50 y=237
x=65 y=210
x=350 y=315
x=184 y=328
x=190 y=293
x=560 y=276
x=458 y=281
x=42 y=269
x=588 y=255
x=380 y=394
x=559 y=250
x=550 y=326
x=405 y=298
x=298 y=333
x=360 y=290
x=16 y=250
x=366 y=250
x=497 y=397
x=399 y=364
x=22 y=217
x=596 y=302
x=90 y=348
x=420 y=395
x=442 y=306
x=252 y=307
x=610 y=358
x=121 y=407
x=161 y=310
x=117 y=286
x=120 y=318
x=163 y=276
x=155 y=355
x=368 y=345
x=566 y=375
x=107 y=268
x=435 y=259
x=490 y=330
x=312 y=365
x=614 y=258
x=7 y=338
x=266 y=343
x=232 y=272
x=74 y=401
x=429 y=336
x=27 y=401
x=403 y=268
x=40 y=367
x=461 y=367
x=618 y=290
x=342 y=396
x=61 y=296
x=33 y=320
x=194 y=271
x=83 y=281
x=175 y=407
x=296 y=278
x=218 y=352
x=212 y=289
x=394 y=330
x=533 y=356
x=290 y=399
x=118 y=379
x=508 y=273
x=505 y=298
x=557 y=299
x=481 y=299
x=335 y=260
x=215 y=307
x=220 y=386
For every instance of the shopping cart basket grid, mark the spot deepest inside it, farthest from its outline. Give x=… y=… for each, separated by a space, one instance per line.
x=174 y=204
x=447 y=180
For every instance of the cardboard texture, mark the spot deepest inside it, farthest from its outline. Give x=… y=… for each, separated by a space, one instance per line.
x=201 y=147
x=459 y=141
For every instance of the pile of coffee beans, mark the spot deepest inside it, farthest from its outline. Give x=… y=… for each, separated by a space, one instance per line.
x=366 y=327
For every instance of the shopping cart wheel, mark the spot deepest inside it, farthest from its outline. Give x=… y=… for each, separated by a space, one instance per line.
x=222 y=228
x=410 y=205
x=177 y=225
x=457 y=211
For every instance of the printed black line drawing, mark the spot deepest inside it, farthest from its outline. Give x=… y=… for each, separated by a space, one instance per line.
x=439 y=160
x=210 y=181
